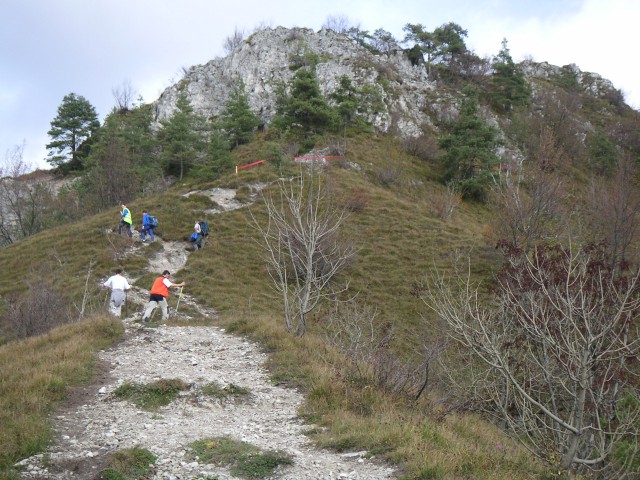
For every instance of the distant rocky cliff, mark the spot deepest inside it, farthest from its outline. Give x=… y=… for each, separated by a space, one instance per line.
x=269 y=57
x=266 y=58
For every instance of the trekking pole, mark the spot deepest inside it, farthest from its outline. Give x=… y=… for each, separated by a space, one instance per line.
x=179 y=297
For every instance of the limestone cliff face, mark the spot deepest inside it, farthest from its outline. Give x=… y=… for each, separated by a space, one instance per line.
x=266 y=58
x=269 y=57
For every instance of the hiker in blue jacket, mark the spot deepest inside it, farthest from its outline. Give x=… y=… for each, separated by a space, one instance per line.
x=147 y=227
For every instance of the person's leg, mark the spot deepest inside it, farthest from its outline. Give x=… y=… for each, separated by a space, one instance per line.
x=129 y=230
x=149 y=310
x=120 y=227
x=151 y=234
x=143 y=234
x=115 y=303
x=163 y=307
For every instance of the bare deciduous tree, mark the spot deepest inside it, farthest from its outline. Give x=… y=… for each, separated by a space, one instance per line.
x=24 y=201
x=233 y=41
x=614 y=206
x=557 y=350
x=365 y=340
x=304 y=250
x=444 y=202
x=34 y=313
x=337 y=23
x=528 y=201
x=123 y=96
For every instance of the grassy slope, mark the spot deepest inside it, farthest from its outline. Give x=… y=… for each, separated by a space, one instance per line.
x=399 y=239
x=35 y=373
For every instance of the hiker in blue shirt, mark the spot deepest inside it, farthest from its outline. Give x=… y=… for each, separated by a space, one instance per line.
x=147 y=227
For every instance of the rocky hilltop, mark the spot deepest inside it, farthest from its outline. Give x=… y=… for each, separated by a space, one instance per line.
x=269 y=58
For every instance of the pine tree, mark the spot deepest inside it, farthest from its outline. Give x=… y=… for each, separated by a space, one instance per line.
x=121 y=162
x=218 y=157
x=508 y=88
x=304 y=110
x=181 y=138
x=470 y=159
x=353 y=104
x=74 y=125
x=238 y=120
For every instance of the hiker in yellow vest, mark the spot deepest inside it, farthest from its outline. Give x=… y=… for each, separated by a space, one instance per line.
x=125 y=221
x=158 y=295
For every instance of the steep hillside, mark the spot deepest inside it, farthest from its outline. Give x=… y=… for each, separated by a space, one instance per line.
x=398 y=235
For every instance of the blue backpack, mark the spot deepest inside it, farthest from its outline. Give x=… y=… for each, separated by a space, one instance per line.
x=153 y=221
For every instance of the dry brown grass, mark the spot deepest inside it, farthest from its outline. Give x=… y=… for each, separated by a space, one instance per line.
x=35 y=375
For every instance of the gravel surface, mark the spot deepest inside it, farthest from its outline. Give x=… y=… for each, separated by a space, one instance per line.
x=99 y=423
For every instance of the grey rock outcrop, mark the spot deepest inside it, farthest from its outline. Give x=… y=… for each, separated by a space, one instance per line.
x=409 y=100
x=267 y=59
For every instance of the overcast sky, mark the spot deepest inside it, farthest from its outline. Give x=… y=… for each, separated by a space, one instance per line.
x=50 y=48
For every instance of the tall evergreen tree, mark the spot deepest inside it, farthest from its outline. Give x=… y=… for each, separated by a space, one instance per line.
x=238 y=120
x=121 y=160
x=304 y=110
x=470 y=160
x=352 y=103
x=74 y=125
x=508 y=88
x=181 y=138
x=218 y=156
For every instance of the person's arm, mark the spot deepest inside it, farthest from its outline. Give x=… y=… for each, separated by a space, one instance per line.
x=169 y=284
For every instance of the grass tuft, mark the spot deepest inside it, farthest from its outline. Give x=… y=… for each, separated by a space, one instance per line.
x=129 y=464
x=228 y=391
x=243 y=459
x=153 y=395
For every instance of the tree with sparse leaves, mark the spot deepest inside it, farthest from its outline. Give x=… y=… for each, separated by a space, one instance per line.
x=74 y=125
x=303 y=247
x=553 y=354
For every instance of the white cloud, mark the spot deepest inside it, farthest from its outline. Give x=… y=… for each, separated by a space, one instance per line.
x=596 y=37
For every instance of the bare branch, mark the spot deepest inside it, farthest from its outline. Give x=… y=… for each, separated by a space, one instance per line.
x=303 y=247
x=557 y=358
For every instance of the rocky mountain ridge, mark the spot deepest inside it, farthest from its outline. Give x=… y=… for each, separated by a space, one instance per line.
x=269 y=58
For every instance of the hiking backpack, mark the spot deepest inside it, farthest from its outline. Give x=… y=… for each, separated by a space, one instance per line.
x=153 y=221
x=204 y=228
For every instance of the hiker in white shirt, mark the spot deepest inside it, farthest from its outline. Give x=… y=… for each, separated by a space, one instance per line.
x=118 y=284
